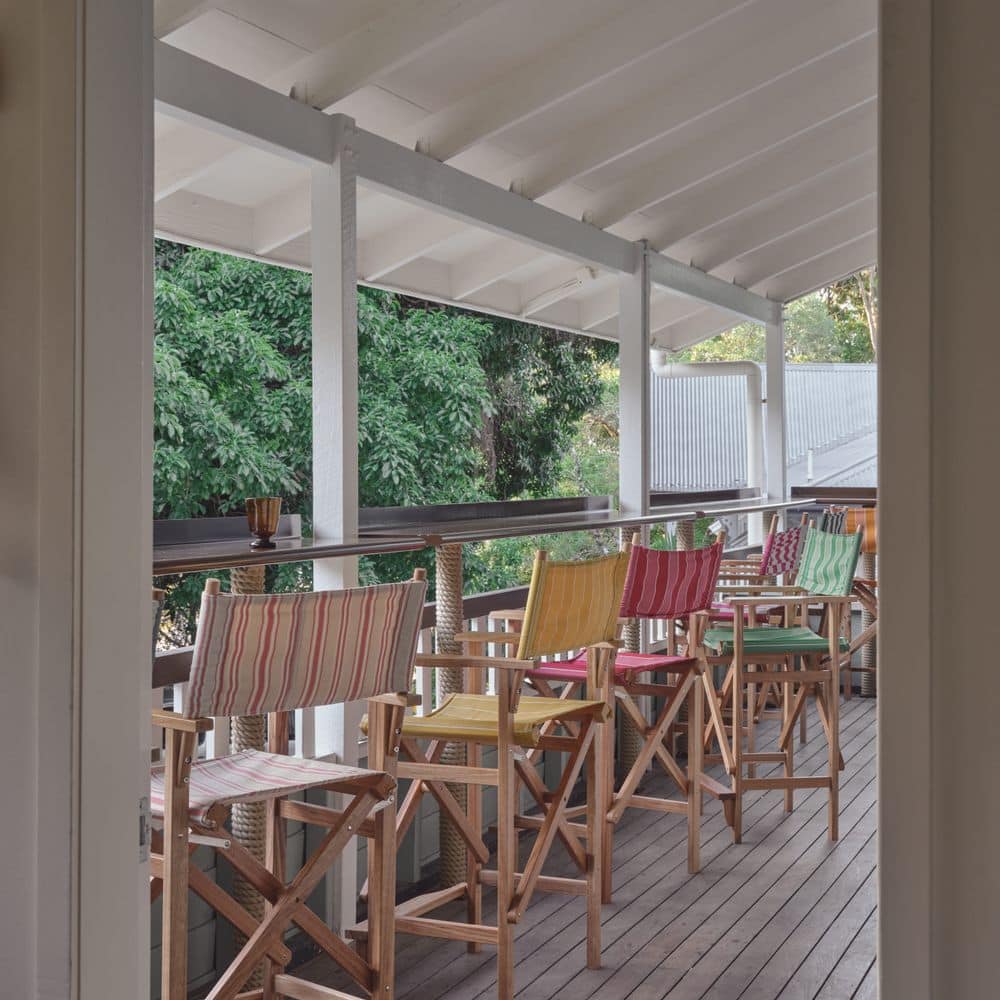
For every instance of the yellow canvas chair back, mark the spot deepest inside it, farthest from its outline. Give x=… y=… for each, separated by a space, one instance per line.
x=572 y=604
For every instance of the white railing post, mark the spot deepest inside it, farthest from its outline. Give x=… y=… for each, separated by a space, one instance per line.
x=775 y=430
x=335 y=444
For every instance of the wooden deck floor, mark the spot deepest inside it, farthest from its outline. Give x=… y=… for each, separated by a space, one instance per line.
x=785 y=914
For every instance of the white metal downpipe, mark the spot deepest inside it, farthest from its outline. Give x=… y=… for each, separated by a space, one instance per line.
x=664 y=368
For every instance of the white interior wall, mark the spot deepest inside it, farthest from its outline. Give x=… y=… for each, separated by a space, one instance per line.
x=939 y=631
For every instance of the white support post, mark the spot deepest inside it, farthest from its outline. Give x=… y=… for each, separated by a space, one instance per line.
x=634 y=428
x=775 y=435
x=335 y=445
x=633 y=389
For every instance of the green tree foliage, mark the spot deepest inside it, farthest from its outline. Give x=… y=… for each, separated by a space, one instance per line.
x=452 y=406
x=827 y=326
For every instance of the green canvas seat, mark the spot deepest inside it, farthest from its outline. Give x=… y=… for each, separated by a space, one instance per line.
x=771 y=639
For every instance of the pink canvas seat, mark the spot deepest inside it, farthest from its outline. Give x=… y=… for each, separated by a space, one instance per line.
x=626 y=664
x=252 y=776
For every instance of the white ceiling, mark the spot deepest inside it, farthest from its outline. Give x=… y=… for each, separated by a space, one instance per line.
x=737 y=135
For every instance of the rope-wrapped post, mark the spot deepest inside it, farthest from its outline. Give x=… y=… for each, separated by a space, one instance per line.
x=249 y=820
x=868 y=651
x=449 y=617
x=631 y=738
x=684 y=537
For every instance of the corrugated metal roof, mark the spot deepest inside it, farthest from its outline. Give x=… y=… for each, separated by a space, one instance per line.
x=699 y=427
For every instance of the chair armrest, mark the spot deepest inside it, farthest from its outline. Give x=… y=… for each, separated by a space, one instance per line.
x=397 y=700
x=751 y=590
x=501 y=638
x=785 y=601
x=180 y=723
x=439 y=660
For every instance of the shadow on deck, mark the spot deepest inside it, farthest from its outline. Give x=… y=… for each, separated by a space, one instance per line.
x=785 y=914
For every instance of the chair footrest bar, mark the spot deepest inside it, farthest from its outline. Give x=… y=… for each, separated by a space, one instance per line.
x=299 y=989
x=786 y=676
x=535 y=823
x=449 y=930
x=454 y=773
x=765 y=784
x=547 y=883
x=715 y=788
x=763 y=758
x=657 y=805
x=415 y=907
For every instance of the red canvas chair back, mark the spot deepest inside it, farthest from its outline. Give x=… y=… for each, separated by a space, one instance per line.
x=670 y=584
x=277 y=652
x=781 y=551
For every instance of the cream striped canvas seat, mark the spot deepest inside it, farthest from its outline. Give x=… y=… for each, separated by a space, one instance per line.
x=254 y=776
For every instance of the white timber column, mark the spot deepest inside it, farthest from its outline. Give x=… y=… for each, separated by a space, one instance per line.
x=335 y=444
x=76 y=494
x=634 y=429
x=939 y=410
x=634 y=433
x=775 y=431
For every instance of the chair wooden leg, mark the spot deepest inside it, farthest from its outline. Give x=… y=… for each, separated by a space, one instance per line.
x=598 y=804
x=506 y=844
x=696 y=712
x=787 y=699
x=603 y=753
x=737 y=702
x=275 y=846
x=751 y=711
x=383 y=741
x=473 y=881
x=176 y=855
x=834 y=743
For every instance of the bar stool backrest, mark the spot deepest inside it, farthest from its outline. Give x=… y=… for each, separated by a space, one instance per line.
x=828 y=562
x=263 y=653
x=865 y=518
x=782 y=551
x=571 y=604
x=665 y=583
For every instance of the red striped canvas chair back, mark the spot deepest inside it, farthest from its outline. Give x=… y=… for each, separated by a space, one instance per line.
x=781 y=551
x=670 y=584
x=277 y=652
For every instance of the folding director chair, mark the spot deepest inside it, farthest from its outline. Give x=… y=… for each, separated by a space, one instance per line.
x=272 y=654
x=570 y=605
x=825 y=577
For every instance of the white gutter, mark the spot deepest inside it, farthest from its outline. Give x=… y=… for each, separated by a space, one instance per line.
x=664 y=368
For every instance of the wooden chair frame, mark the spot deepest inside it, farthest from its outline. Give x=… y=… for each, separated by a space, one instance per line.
x=514 y=888
x=369 y=811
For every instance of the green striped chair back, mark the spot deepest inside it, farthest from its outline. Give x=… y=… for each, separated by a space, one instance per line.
x=828 y=563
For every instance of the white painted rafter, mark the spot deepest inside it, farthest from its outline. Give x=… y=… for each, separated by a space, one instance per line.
x=169 y=15
x=849 y=137
x=585 y=60
x=735 y=66
x=799 y=104
x=334 y=72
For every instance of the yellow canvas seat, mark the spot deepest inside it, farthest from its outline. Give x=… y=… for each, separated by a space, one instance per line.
x=473 y=718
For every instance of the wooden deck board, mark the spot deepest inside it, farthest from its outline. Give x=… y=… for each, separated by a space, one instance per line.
x=785 y=914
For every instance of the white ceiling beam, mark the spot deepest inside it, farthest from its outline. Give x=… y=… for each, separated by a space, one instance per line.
x=741 y=55
x=546 y=290
x=169 y=15
x=585 y=60
x=209 y=97
x=819 y=151
x=419 y=179
x=797 y=104
x=334 y=72
x=694 y=284
x=282 y=219
x=763 y=223
x=207 y=222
